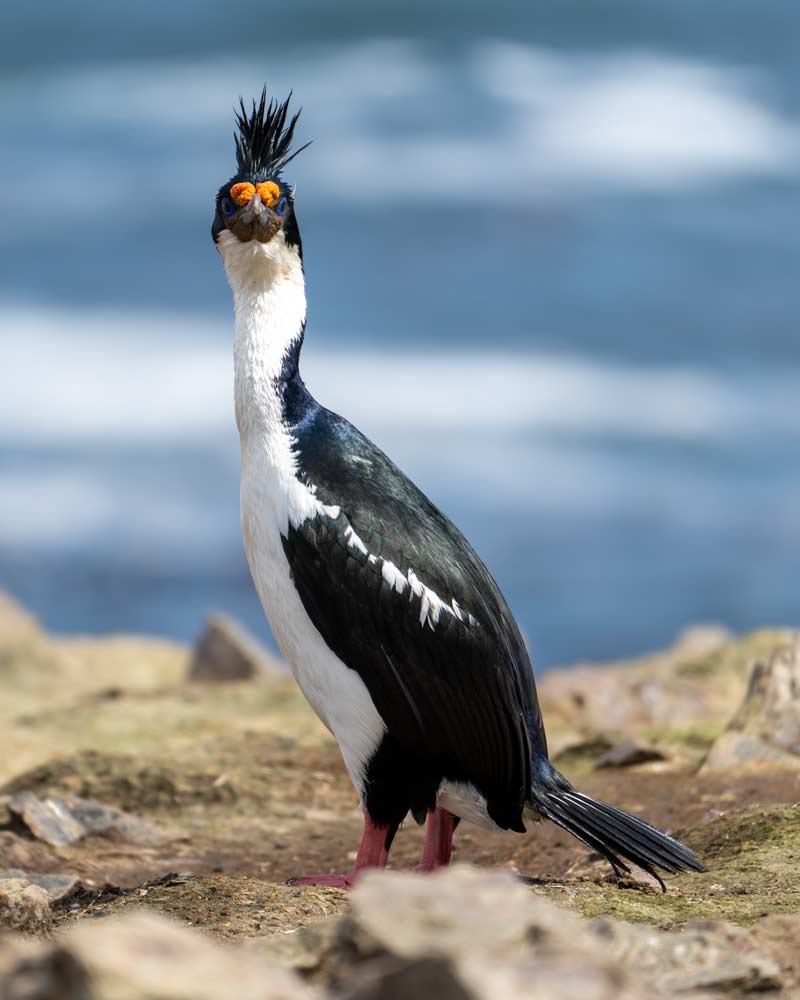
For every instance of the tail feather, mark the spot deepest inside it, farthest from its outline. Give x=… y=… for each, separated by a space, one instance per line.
x=614 y=834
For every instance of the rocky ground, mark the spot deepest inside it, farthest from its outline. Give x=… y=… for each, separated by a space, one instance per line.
x=155 y=800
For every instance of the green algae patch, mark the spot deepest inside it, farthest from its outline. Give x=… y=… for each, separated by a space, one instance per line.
x=752 y=858
x=767 y=838
x=734 y=659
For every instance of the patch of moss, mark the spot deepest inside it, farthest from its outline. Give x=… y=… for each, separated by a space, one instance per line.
x=773 y=831
x=752 y=858
x=695 y=739
x=734 y=658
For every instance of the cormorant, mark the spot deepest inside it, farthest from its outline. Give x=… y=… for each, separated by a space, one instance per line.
x=392 y=626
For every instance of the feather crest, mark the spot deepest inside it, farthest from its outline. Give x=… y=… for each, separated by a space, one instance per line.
x=263 y=145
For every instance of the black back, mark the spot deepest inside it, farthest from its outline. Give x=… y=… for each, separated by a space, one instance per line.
x=457 y=696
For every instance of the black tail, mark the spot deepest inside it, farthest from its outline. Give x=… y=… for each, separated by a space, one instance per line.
x=611 y=832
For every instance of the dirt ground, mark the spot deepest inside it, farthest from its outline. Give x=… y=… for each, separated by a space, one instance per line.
x=244 y=789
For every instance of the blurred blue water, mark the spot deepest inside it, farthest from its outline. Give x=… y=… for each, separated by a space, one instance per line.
x=614 y=189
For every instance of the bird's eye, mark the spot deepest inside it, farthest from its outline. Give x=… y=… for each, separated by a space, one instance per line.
x=282 y=207
x=227 y=206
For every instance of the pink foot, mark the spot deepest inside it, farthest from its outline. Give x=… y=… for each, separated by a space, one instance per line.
x=372 y=853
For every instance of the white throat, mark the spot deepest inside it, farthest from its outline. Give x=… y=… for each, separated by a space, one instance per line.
x=269 y=301
x=270 y=304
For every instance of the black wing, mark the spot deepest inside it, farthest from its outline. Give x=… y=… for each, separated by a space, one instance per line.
x=452 y=682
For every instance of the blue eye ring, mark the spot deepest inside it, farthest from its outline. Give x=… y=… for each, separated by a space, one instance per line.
x=227 y=206
x=282 y=207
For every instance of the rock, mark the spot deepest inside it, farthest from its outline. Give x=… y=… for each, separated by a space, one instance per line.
x=16 y=624
x=63 y=820
x=57 y=887
x=700 y=640
x=95 y=817
x=697 y=683
x=48 y=819
x=460 y=933
x=706 y=956
x=777 y=937
x=766 y=727
x=399 y=979
x=147 y=956
x=139 y=957
x=24 y=907
x=465 y=933
x=571 y=752
x=32 y=970
x=227 y=652
x=628 y=753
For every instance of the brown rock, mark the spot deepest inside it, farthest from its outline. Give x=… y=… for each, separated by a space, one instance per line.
x=569 y=751
x=96 y=817
x=401 y=979
x=33 y=970
x=48 y=819
x=56 y=886
x=707 y=956
x=694 y=685
x=24 y=907
x=766 y=728
x=465 y=933
x=139 y=957
x=459 y=933
x=227 y=652
x=628 y=753
x=145 y=955
x=778 y=937
x=60 y=820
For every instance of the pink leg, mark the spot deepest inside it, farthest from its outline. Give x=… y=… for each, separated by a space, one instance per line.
x=438 y=844
x=372 y=853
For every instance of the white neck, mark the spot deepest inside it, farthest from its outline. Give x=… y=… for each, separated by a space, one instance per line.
x=269 y=301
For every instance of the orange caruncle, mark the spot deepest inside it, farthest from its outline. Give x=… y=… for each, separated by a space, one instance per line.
x=269 y=192
x=242 y=192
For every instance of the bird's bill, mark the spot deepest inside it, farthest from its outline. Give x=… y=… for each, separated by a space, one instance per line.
x=254 y=221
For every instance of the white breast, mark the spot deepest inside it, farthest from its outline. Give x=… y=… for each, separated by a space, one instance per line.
x=269 y=299
x=336 y=693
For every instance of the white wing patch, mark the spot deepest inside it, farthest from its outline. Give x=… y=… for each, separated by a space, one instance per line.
x=354 y=540
x=431 y=605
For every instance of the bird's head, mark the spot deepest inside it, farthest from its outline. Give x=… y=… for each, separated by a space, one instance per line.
x=256 y=205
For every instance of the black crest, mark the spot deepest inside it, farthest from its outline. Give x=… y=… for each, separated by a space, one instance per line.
x=263 y=145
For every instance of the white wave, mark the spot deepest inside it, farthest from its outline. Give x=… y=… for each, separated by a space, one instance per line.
x=381 y=114
x=86 y=505
x=511 y=433
x=50 y=507
x=70 y=377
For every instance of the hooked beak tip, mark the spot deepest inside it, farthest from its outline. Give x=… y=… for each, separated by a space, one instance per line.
x=252 y=210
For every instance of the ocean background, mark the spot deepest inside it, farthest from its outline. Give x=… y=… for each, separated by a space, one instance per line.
x=552 y=255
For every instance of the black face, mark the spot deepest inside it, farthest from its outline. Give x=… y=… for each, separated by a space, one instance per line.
x=252 y=210
x=256 y=205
